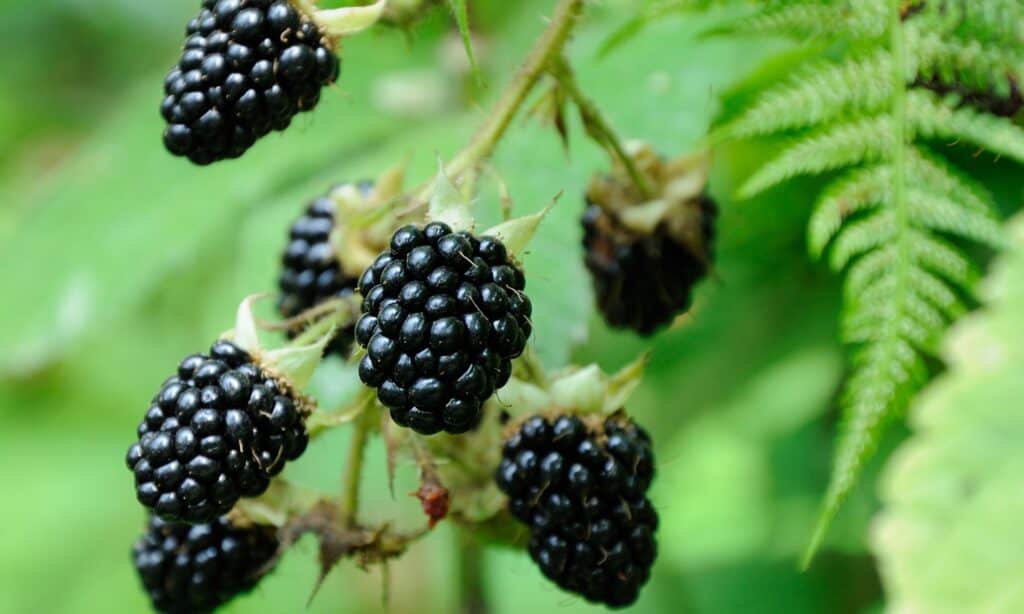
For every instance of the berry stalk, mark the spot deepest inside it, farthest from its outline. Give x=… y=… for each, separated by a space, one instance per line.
x=597 y=124
x=471 y=573
x=352 y=475
x=548 y=47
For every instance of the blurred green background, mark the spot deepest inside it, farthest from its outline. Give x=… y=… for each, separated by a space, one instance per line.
x=118 y=259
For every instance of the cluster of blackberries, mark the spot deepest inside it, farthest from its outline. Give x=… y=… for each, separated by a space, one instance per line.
x=582 y=492
x=248 y=67
x=444 y=314
x=215 y=432
x=190 y=569
x=642 y=281
x=311 y=273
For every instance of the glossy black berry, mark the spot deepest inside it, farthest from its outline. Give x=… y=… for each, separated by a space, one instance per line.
x=188 y=569
x=216 y=431
x=580 y=486
x=642 y=281
x=248 y=67
x=311 y=272
x=444 y=314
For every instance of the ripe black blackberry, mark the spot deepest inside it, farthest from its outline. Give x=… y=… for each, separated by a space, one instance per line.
x=311 y=272
x=215 y=432
x=187 y=569
x=247 y=68
x=643 y=278
x=580 y=485
x=444 y=314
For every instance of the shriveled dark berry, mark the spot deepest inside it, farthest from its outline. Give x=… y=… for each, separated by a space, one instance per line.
x=215 y=432
x=311 y=272
x=189 y=569
x=247 y=68
x=641 y=282
x=582 y=493
x=440 y=334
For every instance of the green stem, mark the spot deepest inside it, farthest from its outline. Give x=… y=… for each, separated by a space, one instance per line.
x=471 y=574
x=597 y=124
x=354 y=470
x=548 y=47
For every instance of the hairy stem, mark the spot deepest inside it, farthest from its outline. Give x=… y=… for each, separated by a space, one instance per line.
x=597 y=124
x=354 y=470
x=471 y=573
x=548 y=47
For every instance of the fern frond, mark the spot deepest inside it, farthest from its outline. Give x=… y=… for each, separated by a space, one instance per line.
x=1000 y=22
x=890 y=218
x=930 y=287
x=861 y=236
x=887 y=373
x=861 y=189
x=925 y=168
x=942 y=258
x=931 y=118
x=869 y=268
x=847 y=143
x=808 y=18
x=967 y=63
x=822 y=92
x=938 y=213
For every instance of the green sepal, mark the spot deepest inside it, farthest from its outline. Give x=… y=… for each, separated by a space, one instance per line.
x=517 y=233
x=449 y=205
x=349 y=20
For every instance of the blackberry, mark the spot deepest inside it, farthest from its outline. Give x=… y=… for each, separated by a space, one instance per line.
x=215 y=432
x=444 y=314
x=580 y=486
x=187 y=569
x=642 y=280
x=248 y=67
x=311 y=272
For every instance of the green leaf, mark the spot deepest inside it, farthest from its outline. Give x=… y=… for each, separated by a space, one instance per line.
x=461 y=14
x=950 y=537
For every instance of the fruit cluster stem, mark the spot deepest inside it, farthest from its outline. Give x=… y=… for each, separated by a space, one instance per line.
x=354 y=470
x=547 y=48
x=471 y=573
x=597 y=124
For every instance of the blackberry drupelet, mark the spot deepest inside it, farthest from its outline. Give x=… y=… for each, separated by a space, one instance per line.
x=311 y=273
x=444 y=314
x=248 y=67
x=187 y=569
x=580 y=486
x=641 y=281
x=215 y=432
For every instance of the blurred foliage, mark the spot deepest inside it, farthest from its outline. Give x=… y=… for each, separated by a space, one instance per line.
x=120 y=259
x=949 y=538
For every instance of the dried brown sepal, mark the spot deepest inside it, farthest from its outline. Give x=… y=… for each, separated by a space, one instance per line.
x=364 y=545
